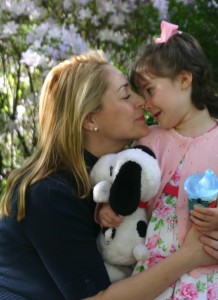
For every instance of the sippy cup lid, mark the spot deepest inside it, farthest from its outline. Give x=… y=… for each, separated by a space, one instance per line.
x=202 y=185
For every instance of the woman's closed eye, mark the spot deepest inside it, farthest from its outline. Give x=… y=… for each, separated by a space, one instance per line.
x=127 y=97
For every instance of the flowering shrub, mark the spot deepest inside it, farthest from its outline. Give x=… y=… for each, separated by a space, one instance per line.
x=35 y=35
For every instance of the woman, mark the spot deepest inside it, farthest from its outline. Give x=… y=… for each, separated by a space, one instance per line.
x=47 y=232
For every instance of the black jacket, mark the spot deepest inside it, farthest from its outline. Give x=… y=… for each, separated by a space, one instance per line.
x=52 y=252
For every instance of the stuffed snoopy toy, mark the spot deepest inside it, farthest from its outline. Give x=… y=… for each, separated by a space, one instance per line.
x=127 y=180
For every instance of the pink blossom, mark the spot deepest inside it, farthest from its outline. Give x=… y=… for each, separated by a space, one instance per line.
x=212 y=293
x=176 y=177
x=163 y=211
x=172 y=248
x=155 y=257
x=169 y=221
x=188 y=291
x=152 y=241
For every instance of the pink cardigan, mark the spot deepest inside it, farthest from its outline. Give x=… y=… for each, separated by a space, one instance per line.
x=198 y=154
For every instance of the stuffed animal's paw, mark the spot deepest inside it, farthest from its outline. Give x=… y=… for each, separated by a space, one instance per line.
x=140 y=252
x=101 y=191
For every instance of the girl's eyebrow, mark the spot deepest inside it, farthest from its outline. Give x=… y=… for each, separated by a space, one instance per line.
x=144 y=82
x=123 y=85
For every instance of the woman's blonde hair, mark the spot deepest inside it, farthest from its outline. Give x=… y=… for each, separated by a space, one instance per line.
x=71 y=91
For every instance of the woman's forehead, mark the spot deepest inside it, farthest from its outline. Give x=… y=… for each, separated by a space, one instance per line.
x=117 y=78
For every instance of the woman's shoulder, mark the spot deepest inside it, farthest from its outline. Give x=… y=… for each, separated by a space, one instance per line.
x=52 y=186
x=54 y=195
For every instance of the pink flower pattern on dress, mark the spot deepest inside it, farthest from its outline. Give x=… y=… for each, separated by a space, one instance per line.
x=188 y=291
x=152 y=241
x=172 y=248
x=155 y=257
x=176 y=177
x=163 y=211
x=212 y=291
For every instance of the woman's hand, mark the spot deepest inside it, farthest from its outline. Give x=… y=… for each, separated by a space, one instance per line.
x=107 y=217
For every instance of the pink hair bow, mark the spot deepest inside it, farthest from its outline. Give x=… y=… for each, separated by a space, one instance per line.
x=167 y=30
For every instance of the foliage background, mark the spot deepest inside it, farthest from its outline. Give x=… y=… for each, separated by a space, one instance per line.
x=35 y=35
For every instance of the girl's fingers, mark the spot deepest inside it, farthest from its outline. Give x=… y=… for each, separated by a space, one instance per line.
x=200 y=216
x=204 y=210
x=199 y=222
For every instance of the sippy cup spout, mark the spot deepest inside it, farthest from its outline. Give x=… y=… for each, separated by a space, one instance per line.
x=209 y=180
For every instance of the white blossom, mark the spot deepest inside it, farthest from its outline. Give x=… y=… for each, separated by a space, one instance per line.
x=10 y=28
x=31 y=58
x=20 y=111
x=106 y=7
x=85 y=13
x=162 y=5
x=67 y=4
x=125 y=8
x=83 y=2
x=117 y=20
x=110 y=35
x=96 y=20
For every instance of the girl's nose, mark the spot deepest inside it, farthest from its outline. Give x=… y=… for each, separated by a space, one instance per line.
x=147 y=105
x=139 y=101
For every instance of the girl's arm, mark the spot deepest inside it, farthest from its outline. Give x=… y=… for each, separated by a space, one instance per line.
x=148 y=284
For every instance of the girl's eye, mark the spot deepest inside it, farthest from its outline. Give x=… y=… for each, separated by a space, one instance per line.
x=149 y=91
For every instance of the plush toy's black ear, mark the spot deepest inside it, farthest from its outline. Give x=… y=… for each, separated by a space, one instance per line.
x=126 y=189
x=145 y=149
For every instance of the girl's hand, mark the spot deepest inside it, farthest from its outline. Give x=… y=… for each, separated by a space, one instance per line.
x=204 y=219
x=107 y=217
x=210 y=241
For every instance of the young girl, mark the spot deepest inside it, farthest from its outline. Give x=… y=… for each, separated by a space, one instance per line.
x=173 y=76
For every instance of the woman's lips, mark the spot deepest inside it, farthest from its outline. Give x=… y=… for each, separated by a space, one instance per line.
x=141 y=118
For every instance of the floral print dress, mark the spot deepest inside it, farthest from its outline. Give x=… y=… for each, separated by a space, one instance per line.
x=162 y=240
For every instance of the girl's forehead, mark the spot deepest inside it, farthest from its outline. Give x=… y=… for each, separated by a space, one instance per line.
x=143 y=77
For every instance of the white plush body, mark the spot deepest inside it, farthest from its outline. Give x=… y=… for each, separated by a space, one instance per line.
x=140 y=173
x=120 y=250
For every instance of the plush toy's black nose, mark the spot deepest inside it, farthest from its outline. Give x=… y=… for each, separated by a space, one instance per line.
x=141 y=227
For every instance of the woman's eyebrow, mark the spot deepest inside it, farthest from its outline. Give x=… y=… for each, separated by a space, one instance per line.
x=123 y=85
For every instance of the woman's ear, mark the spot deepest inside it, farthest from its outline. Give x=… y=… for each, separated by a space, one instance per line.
x=89 y=123
x=185 y=79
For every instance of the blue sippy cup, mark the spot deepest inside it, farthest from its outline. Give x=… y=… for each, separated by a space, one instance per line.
x=202 y=188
